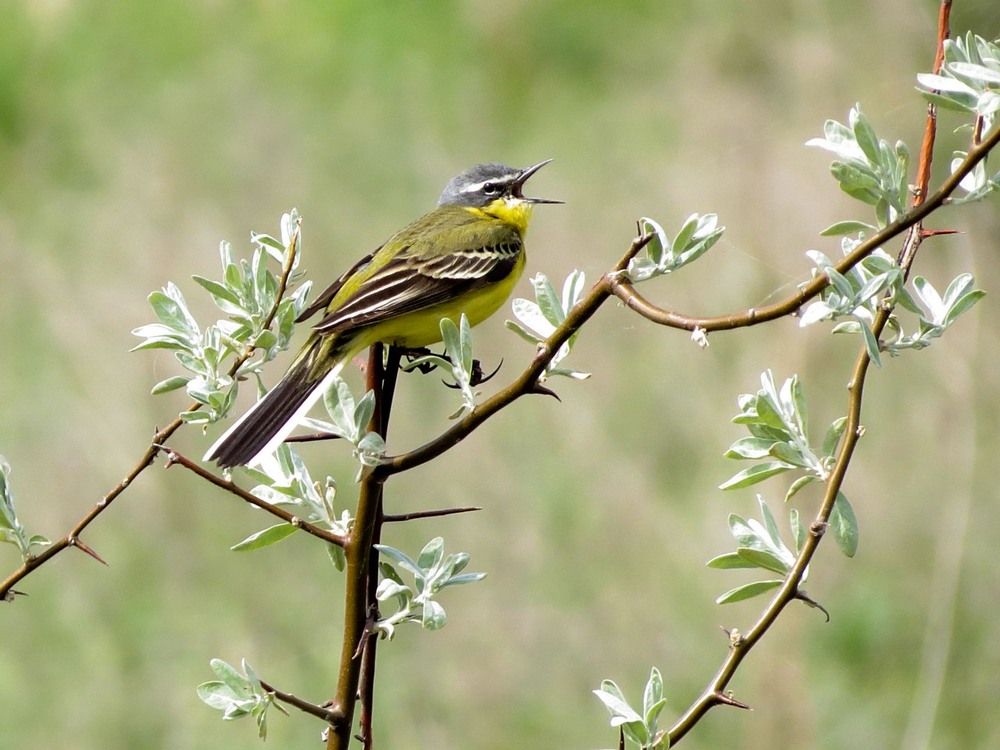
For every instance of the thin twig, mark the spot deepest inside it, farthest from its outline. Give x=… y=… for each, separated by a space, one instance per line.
x=173 y=457
x=417 y=514
x=303 y=705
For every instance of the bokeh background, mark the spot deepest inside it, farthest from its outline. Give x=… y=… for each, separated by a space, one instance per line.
x=135 y=136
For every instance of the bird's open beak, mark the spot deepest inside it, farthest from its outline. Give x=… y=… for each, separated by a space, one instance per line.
x=523 y=177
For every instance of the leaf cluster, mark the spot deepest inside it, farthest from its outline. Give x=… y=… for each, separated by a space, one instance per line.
x=969 y=83
x=538 y=319
x=877 y=282
x=457 y=360
x=639 y=727
x=286 y=482
x=867 y=168
x=249 y=295
x=663 y=255
x=432 y=571
x=11 y=529
x=239 y=694
x=778 y=422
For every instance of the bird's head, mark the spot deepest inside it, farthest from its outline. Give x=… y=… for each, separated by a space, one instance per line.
x=484 y=184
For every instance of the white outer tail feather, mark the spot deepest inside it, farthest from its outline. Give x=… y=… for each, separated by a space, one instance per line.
x=286 y=428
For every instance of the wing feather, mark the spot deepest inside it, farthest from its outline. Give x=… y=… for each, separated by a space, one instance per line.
x=410 y=282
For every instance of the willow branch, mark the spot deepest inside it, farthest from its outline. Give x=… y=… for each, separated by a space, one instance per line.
x=525 y=383
x=420 y=514
x=741 y=645
x=173 y=457
x=146 y=459
x=358 y=599
x=303 y=705
x=626 y=291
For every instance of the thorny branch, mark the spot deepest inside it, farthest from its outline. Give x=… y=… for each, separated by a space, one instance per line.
x=740 y=646
x=149 y=455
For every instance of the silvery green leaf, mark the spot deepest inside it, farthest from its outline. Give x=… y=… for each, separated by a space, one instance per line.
x=798 y=484
x=170 y=384
x=848 y=227
x=864 y=134
x=819 y=259
x=978 y=73
x=817 y=311
x=833 y=434
x=748 y=591
x=945 y=84
x=955 y=102
x=656 y=246
x=434 y=616
x=621 y=712
x=216 y=694
x=750 y=448
x=265 y=537
x=730 y=561
x=432 y=553
x=653 y=692
x=530 y=314
x=871 y=344
x=963 y=304
x=930 y=297
x=769 y=523
x=231 y=677
x=171 y=309
x=339 y=403
x=844 y=525
x=798 y=530
x=371 y=449
x=388 y=588
x=763 y=559
x=364 y=410
x=401 y=559
x=548 y=299
x=225 y=298
x=573 y=288
x=755 y=474
x=741 y=530
x=462 y=578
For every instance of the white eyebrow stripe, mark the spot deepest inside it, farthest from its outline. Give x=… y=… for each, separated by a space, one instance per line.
x=477 y=186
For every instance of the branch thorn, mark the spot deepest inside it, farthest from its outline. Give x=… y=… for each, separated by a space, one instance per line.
x=544 y=391
x=728 y=700
x=804 y=597
x=76 y=542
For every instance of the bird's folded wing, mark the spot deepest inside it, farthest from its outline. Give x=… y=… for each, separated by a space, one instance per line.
x=411 y=282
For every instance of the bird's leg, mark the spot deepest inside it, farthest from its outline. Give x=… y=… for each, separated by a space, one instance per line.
x=476 y=376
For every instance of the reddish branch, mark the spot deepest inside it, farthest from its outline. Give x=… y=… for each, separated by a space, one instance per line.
x=789 y=590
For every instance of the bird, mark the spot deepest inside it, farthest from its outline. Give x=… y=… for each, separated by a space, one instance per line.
x=465 y=256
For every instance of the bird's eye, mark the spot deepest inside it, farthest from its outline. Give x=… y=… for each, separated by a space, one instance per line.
x=492 y=188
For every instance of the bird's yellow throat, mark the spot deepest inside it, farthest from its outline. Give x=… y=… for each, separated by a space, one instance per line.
x=511 y=211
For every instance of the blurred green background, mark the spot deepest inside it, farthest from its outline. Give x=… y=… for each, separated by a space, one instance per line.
x=135 y=136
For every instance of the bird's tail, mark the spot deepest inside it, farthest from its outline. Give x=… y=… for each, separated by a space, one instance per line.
x=268 y=422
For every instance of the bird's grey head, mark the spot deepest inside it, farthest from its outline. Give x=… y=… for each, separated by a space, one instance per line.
x=482 y=184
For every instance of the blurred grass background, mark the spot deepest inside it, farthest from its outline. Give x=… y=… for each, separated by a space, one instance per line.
x=135 y=136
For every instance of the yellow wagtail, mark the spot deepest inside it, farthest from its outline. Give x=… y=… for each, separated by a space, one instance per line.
x=463 y=257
